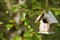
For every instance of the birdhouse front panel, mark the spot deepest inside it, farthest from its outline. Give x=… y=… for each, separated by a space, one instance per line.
x=44 y=27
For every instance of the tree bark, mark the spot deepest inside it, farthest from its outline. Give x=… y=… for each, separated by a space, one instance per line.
x=11 y=34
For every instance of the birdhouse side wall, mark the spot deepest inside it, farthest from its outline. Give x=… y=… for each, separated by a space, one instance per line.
x=51 y=29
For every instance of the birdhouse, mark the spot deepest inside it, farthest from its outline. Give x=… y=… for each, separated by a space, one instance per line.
x=47 y=21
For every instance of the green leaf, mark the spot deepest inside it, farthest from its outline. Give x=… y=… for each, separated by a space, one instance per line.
x=23 y=6
x=1 y=23
x=8 y=26
x=11 y=21
x=14 y=9
x=57 y=12
x=33 y=1
x=17 y=37
x=7 y=12
x=26 y=23
x=22 y=14
x=28 y=34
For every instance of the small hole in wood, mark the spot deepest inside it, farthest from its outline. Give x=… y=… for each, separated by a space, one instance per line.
x=45 y=20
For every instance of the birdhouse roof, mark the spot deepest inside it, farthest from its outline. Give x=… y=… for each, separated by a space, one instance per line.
x=51 y=18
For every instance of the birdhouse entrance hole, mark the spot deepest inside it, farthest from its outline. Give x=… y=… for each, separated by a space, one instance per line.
x=45 y=20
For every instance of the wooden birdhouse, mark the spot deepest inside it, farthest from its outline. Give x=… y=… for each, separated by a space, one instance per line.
x=47 y=21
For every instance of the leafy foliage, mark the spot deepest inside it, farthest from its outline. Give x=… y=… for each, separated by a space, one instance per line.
x=32 y=10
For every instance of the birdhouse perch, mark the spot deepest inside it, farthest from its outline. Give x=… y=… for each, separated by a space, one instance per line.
x=46 y=22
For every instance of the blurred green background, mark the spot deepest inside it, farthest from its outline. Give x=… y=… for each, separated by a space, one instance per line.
x=33 y=8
